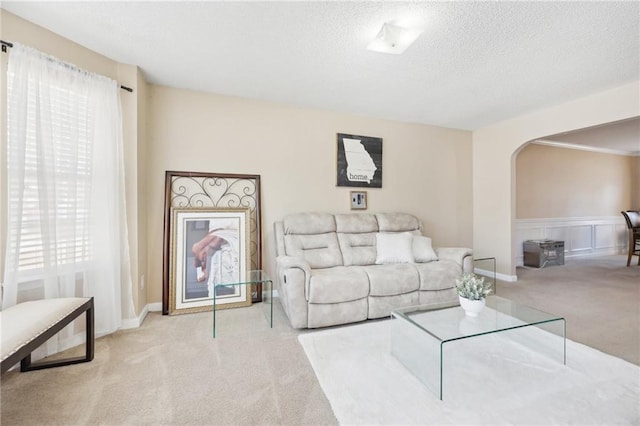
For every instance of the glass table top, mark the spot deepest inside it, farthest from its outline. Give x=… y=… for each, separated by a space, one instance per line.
x=448 y=322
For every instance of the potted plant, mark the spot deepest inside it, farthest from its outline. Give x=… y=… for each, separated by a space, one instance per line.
x=472 y=291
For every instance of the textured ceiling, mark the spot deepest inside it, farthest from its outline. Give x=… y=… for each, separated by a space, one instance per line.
x=476 y=63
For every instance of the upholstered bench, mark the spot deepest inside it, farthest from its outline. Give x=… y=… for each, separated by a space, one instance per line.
x=28 y=325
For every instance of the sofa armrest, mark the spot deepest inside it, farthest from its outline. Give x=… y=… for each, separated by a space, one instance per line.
x=293 y=277
x=461 y=255
x=287 y=262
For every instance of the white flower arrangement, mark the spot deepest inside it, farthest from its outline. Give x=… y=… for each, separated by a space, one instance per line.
x=472 y=287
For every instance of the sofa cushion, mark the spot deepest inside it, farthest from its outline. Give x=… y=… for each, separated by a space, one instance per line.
x=438 y=275
x=422 y=249
x=358 y=249
x=394 y=248
x=438 y=297
x=309 y=223
x=327 y=314
x=397 y=222
x=356 y=223
x=336 y=285
x=320 y=250
x=389 y=280
x=381 y=306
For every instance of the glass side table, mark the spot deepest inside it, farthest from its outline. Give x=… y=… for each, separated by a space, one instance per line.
x=253 y=277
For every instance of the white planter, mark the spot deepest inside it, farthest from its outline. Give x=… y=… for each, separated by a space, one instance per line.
x=472 y=307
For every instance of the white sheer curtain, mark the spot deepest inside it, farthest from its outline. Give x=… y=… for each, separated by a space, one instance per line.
x=67 y=233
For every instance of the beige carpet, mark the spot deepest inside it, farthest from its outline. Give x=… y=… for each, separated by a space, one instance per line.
x=170 y=370
x=599 y=298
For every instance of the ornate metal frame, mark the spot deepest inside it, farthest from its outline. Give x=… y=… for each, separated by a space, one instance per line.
x=198 y=190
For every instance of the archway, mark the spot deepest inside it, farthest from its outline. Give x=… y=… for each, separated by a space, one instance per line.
x=571 y=187
x=493 y=167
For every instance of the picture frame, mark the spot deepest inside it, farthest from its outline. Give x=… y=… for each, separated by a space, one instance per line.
x=186 y=189
x=208 y=247
x=358 y=200
x=359 y=161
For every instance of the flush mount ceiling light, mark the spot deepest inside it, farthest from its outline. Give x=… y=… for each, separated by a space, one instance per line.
x=393 y=39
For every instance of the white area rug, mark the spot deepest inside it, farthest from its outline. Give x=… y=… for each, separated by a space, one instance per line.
x=488 y=380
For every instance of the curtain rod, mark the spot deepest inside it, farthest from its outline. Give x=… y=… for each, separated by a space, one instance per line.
x=6 y=44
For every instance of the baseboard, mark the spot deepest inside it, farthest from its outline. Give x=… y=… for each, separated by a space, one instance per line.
x=135 y=322
x=155 y=307
x=499 y=276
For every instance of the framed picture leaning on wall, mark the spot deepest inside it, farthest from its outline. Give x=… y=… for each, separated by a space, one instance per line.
x=196 y=190
x=208 y=247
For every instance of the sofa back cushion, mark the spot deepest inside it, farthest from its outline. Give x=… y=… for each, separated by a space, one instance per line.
x=312 y=236
x=356 y=223
x=319 y=250
x=309 y=223
x=357 y=238
x=358 y=249
x=325 y=240
x=398 y=222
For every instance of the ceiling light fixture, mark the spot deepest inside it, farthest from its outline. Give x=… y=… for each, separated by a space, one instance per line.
x=393 y=39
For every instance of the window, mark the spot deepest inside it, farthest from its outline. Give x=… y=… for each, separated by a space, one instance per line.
x=57 y=177
x=66 y=212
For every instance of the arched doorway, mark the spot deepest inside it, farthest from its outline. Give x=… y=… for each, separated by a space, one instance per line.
x=571 y=187
x=494 y=202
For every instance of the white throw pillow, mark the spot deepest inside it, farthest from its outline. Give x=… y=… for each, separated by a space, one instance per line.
x=394 y=248
x=422 y=250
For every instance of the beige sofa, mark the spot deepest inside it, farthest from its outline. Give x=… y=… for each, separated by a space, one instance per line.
x=342 y=268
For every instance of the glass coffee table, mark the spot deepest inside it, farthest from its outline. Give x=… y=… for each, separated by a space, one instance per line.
x=419 y=333
x=257 y=276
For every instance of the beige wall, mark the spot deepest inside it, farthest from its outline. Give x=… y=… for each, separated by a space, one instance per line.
x=426 y=170
x=494 y=162
x=16 y=30
x=555 y=182
x=142 y=97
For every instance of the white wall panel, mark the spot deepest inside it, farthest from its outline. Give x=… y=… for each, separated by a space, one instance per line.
x=622 y=232
x=605 y=236
x=558 y=233
x=582 y=236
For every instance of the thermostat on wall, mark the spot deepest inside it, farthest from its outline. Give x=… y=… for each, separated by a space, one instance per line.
x=358 y=200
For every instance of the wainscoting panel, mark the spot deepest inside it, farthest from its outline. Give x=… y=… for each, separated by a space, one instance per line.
x=623 y=235
x=605 y=236
x=558 y=233
x=582 y=236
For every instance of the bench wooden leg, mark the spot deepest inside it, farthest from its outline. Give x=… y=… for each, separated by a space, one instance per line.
x=88 y=309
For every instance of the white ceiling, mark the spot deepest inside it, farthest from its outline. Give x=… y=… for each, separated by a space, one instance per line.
x=476 y=63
